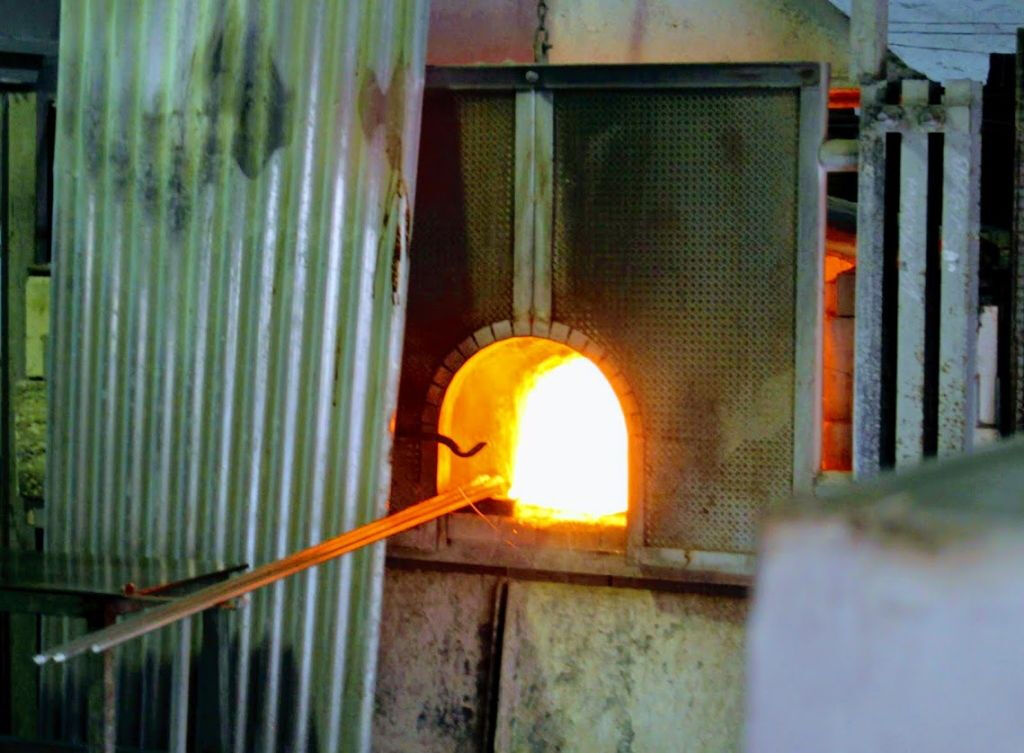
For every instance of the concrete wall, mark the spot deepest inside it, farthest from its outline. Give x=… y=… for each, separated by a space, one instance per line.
x=641 y=31
x=471 y=661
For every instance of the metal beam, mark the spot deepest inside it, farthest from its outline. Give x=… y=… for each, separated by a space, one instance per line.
x=1017 y=338
x=523 y=209
x=869 y=32
x=810 y=290
x=642 y=76
x=543 y=203
x=867 y=375
x=534 y=209
x=913 y=265
x=961 y=194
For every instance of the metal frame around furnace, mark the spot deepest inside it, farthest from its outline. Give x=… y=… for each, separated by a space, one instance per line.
x=534 y=88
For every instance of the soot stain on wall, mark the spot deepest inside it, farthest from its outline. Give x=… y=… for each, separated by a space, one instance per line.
x=236 y=107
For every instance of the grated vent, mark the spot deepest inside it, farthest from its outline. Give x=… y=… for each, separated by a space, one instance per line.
x=674 y=248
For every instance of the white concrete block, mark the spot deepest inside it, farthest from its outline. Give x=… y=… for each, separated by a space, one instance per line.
x=890 y=620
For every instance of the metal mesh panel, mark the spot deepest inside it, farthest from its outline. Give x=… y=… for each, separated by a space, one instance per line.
x=461 y=266
x=674 y=247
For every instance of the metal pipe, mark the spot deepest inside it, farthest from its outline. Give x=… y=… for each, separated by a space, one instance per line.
x=839 y=155
x=422 y=512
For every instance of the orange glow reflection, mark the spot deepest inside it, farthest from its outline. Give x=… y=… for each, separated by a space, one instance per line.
x=553 y=426
x=570 y=452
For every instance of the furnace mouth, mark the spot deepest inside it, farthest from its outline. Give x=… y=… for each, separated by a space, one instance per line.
x=553 y=425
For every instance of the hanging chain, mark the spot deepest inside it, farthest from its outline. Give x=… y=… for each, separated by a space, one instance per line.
x=540 y=37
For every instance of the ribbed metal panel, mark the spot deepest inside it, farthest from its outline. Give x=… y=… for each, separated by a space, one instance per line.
x=231 y=196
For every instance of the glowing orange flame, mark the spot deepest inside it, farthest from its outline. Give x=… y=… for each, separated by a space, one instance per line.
x=570 y=447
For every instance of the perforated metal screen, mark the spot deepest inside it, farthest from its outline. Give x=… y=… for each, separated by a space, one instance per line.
x=674 y=247
x=461 y=265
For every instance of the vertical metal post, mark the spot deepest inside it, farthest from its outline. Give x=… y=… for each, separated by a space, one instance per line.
x=869 y=31
x=534 y=210
x=6 y=461
x=179 y=687
x=913 y=265
x=102 y=694
x=867 y=375
x=524 y=207
x=810 y=299
x=543 y=199
x=1017 y=338
x=212 y=693
x=961 y=192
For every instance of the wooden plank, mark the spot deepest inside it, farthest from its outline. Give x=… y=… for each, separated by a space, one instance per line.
x=961 y=195
x=870 y=274
x=913 y=265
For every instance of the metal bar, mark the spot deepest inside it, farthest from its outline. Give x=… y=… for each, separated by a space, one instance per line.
x=913 y=264
x=179 y=686
x=543 y=202
x=961 y=190
x=211 y=596
x=809 y=295
x=642 y=76
x=869 y=43
x=1017 y=337
x=6 y=414
x=523 y=219
x=44 y=601
x=184 y=584
x=102 y=724
x=21 y=236
x=731 y=567
x=867 y=376
x=211 y=733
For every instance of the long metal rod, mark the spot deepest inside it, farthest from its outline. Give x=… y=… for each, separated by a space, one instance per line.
x=211 y=596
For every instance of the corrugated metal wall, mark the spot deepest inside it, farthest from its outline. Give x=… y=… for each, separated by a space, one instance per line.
x=231 y=197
